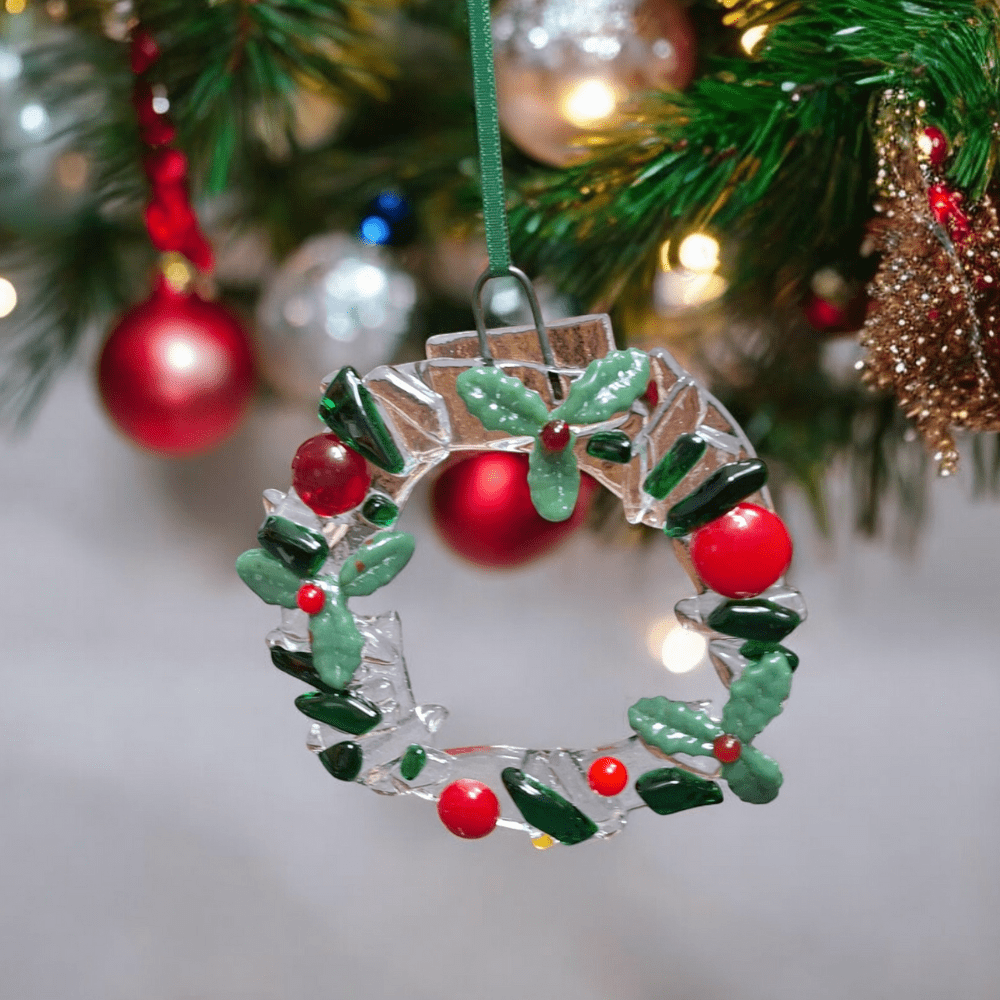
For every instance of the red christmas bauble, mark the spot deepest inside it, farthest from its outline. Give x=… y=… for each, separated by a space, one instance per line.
x=607 y=776
x=469 y=809
x=743 y=552
x=329 y=477
x=828 y=316
x=482 y=508
x=176 y=374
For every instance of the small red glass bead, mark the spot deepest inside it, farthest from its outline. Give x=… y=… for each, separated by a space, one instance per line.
x=328 y=476
x=936 y=144
x=743 y=552
x=555 y=435
x=607 y=776
x=165 y=167
x=469 y=809
x=310 y=599
x=652 y=394
x=727 y=749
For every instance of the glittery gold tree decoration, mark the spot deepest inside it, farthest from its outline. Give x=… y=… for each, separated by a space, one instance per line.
x=932 y=330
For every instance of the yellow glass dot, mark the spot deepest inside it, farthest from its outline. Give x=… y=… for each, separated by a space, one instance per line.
x=542 y=842
x=178 y=272
x=15 y=6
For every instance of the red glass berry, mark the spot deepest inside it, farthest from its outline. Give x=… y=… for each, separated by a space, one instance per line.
x=652 y=394
x=945 y=205
x=469 y=809
x=328 y=476
x=936 y=145
x=310 y=599
x=555 y=435
x=743 y=552
x=607 y=776
x=727 y=749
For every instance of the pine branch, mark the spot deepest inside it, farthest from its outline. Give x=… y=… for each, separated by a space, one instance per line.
x=776 y=144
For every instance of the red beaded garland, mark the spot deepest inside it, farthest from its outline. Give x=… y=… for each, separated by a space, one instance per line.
x=607 y=776
x=328 y=476
x=310 y=599
x=743 y=552
x=727 y=749
x=469 y=809
x=554 y=435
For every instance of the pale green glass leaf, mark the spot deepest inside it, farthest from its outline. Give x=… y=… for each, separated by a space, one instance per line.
x=376 y=563
x=673 y=727
x=554 y=481
x=754 y=777
x=268 y=578
x=500 y=402
x=609 y=385
x=336 y=643
x=755 y=697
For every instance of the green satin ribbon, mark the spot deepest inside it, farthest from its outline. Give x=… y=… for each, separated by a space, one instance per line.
x=488 y=128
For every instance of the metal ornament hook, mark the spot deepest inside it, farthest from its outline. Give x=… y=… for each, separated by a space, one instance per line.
x=536 y=312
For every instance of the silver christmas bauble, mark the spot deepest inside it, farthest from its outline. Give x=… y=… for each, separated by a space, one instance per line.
x=564 y=67
x=336 y=301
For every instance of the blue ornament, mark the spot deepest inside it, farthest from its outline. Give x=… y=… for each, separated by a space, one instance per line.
x=388 y=220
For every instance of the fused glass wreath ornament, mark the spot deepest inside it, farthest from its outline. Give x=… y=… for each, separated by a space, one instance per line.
x=636 y=422
x=642 y=427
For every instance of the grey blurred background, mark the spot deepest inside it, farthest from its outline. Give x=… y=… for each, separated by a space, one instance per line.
x=166 y=836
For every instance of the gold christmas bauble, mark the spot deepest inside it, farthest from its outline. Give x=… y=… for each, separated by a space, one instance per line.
x=565 y=67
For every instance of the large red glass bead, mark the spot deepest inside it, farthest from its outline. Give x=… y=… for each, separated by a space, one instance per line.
x=607 y=776
x=936 y=145
x=469 y=809
x=743 y=552
x=328 y=476
x=727 y=749
x=176 y=374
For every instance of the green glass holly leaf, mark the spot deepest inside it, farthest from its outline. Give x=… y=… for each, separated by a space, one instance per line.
x=500 y=402
x=268 y=577
x=608 y=386
x=673 y=727
x=336 y=642
x=554 y=481
x=755 y=697
x=376 y=563
x=755 y=777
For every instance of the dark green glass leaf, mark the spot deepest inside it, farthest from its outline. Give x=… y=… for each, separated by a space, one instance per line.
x=671 y=789
x=268 y=578
x=721 y=491
x=303 y=551
x=610 y=446
x=753 y=649
x=380 y=510
x=413 y=761
x=546 y=810
x=755 y=618
x=349 y=713
x=298 y=664
x=342 y=760
x=675 y=465
x=348 y=409
x=376 y=562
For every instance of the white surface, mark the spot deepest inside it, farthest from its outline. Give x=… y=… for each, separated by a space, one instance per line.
x=166 y=836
